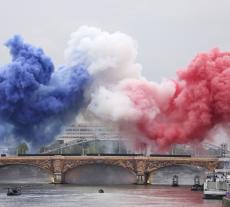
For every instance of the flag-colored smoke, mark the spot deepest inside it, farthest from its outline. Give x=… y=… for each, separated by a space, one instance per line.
x=102 y=78
x=175 y=111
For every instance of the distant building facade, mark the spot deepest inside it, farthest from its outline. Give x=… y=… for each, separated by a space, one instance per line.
x=84 y=138
x=87 y=131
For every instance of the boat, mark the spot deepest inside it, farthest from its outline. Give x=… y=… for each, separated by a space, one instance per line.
x=197 y=187
x=14 y=191
x=216 y=185
x=100 y=191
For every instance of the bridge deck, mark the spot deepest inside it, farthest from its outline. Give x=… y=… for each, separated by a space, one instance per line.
x=142 y=166
x=147 y=158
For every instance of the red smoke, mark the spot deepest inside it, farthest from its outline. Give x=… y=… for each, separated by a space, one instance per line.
x=199 y=100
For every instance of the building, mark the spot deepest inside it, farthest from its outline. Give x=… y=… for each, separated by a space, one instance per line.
x=85 y=138
x=87 y=131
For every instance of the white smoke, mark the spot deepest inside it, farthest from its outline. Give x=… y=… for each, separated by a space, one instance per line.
x=111 y=60
x=112 y=105
x=111 y=57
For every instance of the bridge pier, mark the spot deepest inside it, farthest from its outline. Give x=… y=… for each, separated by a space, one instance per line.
x=57 y=178
x=58 y=164
x=142 y=179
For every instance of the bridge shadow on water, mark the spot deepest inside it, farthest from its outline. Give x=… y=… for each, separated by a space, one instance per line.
x=23 y=174
x=185 y=173
x=99 y=174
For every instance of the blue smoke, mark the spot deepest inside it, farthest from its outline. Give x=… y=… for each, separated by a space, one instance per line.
x=36 y=101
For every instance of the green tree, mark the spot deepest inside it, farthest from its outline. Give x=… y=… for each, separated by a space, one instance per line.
x=22 y=148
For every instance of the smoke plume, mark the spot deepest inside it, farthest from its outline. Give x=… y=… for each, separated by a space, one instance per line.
x=175 y=111
x=35 y=100
x=102 y=78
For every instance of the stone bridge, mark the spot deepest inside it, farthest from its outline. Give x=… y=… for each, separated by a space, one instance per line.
x=142 y=166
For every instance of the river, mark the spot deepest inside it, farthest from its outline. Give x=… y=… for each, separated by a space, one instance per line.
x=47 y=195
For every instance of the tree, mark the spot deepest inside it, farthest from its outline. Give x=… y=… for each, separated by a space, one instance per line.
x=22 y=149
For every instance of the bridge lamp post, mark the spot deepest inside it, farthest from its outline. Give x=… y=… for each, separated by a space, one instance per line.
x=82 y=149
x=94 y=144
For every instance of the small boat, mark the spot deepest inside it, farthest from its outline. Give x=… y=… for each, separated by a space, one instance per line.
x=14 y=191
x=197 y=187
x=100 y=191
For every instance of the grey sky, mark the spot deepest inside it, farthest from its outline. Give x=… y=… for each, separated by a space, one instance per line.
x=169 y=32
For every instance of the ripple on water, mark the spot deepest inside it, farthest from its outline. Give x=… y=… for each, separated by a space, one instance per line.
x=114 y=196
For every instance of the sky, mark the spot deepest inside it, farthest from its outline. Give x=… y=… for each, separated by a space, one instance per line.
x=169 y=32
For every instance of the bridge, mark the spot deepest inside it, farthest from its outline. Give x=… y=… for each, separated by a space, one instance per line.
x=141 y=166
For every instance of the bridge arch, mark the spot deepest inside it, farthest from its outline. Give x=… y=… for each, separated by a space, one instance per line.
x=155 y=165
x=126 y=164
x=24 y=173
x=185 y=172
x=99 y=173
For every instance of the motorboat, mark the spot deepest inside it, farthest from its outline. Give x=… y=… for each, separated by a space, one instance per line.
x=14 y=191
x=216 y=184
x=100 y=191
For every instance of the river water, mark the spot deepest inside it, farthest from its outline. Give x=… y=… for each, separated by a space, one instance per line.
x=47 y=195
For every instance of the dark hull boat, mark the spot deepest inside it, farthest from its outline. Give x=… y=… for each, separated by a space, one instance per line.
x=197 y=187
x=14 y=191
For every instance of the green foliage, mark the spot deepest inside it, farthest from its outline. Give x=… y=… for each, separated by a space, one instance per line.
x=91 y=149
x=22 y=148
